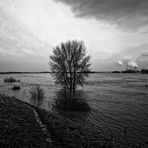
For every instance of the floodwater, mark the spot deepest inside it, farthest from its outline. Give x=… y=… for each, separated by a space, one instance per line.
x=119 y=103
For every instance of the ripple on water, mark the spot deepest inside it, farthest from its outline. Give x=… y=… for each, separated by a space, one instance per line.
x=117 y=101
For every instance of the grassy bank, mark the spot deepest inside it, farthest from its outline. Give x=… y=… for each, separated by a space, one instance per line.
x=18 y=127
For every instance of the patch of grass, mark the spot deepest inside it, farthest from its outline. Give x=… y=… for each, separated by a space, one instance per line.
x=37 y=94
x=71 y=101
x=18 y=126
x=10 y=80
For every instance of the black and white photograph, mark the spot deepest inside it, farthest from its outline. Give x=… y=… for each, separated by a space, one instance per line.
x=73 y=73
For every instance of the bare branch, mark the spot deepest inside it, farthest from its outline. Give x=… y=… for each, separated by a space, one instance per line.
x=70 y=64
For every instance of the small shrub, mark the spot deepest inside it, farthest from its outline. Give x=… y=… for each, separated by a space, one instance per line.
x=10 y=80
x=37 y=93
x=71 y=101
x=16 y=87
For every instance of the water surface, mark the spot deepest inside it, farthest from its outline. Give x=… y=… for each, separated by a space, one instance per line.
x=117 y=101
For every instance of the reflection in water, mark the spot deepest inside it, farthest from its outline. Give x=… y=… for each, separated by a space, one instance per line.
x=72 y=105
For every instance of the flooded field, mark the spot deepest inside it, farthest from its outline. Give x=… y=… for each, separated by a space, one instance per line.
x=119 y=103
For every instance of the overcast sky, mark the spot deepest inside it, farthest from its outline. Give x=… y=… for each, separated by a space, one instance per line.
x=113 y=31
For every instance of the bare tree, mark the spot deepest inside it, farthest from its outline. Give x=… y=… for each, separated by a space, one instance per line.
x=70 y=64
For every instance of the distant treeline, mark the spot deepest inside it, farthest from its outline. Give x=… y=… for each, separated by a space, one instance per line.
x=23 y=72
x=46 y=72
x=143 y=71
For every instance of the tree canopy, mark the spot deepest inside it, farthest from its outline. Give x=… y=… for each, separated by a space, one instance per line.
x=70 y=64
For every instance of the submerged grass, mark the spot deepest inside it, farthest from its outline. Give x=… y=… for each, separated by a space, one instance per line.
x=37 y=95
x=16 y=87
x=37 y=92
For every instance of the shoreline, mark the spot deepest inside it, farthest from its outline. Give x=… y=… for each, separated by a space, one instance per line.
x=25 y=125
x=19 y=127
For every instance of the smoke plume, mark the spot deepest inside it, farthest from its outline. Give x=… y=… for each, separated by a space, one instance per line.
x=120 y=63
x=133 y=64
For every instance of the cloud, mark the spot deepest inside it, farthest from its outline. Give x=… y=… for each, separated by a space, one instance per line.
x=132 y=64
x=19 y=48
x=120 y=63
x=28 y=27
x=16 y=40
x=144 y=55
x=131 y=14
